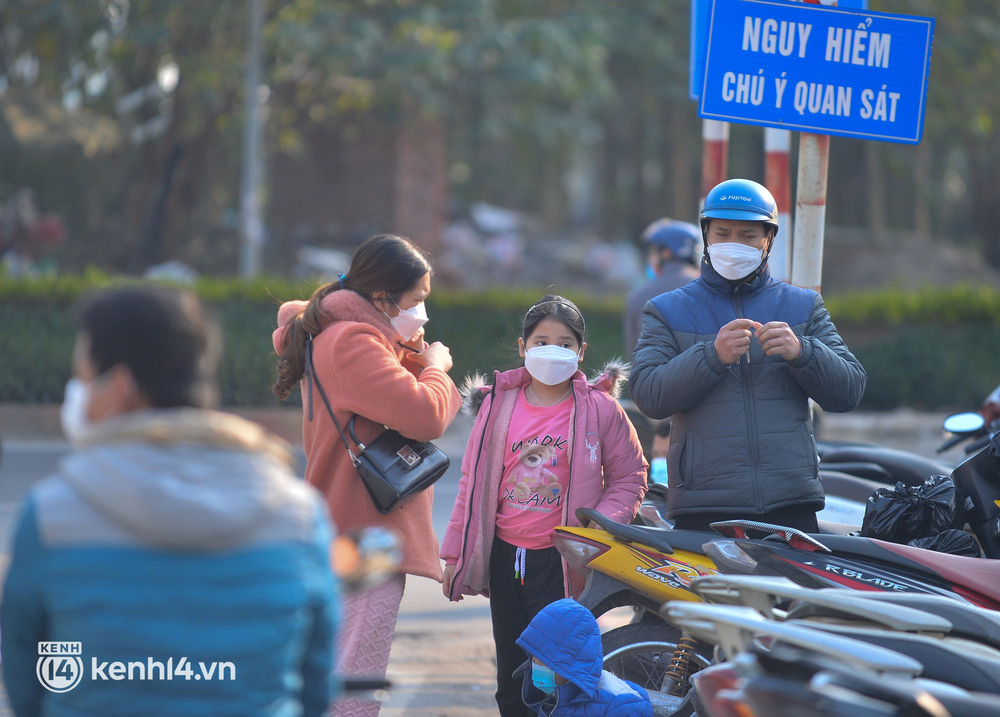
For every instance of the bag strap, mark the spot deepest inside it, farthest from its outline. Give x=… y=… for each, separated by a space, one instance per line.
x=310 y=377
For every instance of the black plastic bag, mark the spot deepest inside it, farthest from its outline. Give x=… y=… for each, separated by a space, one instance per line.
x=953 y=541
x=905 y=513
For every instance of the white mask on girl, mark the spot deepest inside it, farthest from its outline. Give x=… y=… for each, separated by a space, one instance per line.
x=408 y=322
x=733 y=260
x=73 y=412
x=551 y=365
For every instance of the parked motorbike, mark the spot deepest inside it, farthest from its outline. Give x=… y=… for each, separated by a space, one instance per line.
x=867 y=564
x=954 y=642
x=642 y=567
x=786 y=669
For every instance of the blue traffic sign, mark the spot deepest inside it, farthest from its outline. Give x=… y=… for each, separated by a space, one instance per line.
x=701 y=18
x=812 y=68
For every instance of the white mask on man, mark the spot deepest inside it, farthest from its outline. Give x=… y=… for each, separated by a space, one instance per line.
x=733 y=260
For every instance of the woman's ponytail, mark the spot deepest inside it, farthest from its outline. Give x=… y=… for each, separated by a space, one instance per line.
x=292 y=363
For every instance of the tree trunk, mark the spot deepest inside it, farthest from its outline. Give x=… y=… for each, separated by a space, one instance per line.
x=922 y=179
x=420 y=192
x=611 y=164
x=683 y=168
x=877 y=210
x=985 y=209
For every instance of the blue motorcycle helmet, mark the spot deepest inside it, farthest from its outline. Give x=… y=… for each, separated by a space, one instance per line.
x=740 y=199
x=681 y=238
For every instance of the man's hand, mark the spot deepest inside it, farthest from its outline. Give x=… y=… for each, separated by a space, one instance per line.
x=734 y=340
x=777 y=338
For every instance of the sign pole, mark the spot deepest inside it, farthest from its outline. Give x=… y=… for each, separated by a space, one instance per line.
x=714 y=157
x=777 y=179
x=810 y=210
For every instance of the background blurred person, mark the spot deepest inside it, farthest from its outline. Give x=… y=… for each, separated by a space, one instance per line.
x=671 y=262
x=172 y=533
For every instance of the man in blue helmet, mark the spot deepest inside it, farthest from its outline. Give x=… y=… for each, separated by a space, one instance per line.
x=733 y=358
x=672 y=261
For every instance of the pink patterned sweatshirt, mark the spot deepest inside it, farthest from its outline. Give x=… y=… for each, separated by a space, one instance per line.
x=607 y=468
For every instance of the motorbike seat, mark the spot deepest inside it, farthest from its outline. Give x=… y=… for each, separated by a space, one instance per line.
x=967 y=621
x=875 y=462
x=662 y=539
x=947 y=662
x=974 y=574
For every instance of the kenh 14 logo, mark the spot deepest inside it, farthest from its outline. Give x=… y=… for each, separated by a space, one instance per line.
x=59 y=667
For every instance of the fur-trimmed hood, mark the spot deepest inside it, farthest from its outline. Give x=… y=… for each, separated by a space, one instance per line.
x=475 y=388
x=342 y=305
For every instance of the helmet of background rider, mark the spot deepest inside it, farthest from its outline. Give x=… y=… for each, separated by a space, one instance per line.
x=681 y=238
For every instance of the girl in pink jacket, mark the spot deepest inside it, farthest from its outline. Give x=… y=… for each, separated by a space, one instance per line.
x=545 y=442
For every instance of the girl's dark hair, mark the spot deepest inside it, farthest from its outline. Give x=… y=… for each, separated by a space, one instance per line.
x=161 y=335
x=558 y=308
x=384 y=262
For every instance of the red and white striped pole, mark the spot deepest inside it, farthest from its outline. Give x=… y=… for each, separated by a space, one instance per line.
x=714 y=156
x=777 y=179
x=715 y=153
x=810 y=203
x=810 y=210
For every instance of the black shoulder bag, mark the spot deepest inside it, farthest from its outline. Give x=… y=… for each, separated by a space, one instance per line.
x=392 y=467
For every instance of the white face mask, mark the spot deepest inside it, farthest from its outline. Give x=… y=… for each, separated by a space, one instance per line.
x=408 y=322
x=73 y=412
x=733 y=260
x=551 y=365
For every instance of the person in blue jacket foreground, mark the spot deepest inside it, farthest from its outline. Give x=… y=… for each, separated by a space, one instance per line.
x=565 y=677
x=733 y=358
x=173 y=564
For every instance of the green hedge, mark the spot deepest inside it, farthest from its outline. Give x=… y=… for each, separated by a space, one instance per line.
x=927 y=349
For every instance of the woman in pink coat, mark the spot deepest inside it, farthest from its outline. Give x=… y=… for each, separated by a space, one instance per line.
x=545 y=442
x=366 y=334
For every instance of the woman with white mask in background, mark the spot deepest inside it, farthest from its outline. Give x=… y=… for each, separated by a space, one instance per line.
x=545 y=442
x=173 y=534
x=361 y=338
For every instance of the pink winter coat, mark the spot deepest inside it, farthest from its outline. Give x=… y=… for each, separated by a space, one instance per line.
x=609 y=477
x=364 y=371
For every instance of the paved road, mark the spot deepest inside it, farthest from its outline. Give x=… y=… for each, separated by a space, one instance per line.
x=442 y=661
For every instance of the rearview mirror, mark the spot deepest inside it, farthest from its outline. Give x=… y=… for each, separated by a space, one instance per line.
x=964 y=423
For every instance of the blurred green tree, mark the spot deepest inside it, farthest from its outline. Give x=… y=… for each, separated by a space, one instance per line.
x=379 y=110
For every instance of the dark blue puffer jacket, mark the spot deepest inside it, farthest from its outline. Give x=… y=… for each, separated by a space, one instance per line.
x=741 y=436
x=565 y=636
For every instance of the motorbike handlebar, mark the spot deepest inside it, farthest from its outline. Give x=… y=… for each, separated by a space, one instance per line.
x=953 y=441
x=978 y=445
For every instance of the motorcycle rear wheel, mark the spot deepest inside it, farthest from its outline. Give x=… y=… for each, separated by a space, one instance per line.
x=642 y=652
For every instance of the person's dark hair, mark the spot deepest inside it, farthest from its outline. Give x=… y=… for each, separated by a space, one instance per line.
x=384 y=262
x=161 y=335
x=558 y=308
